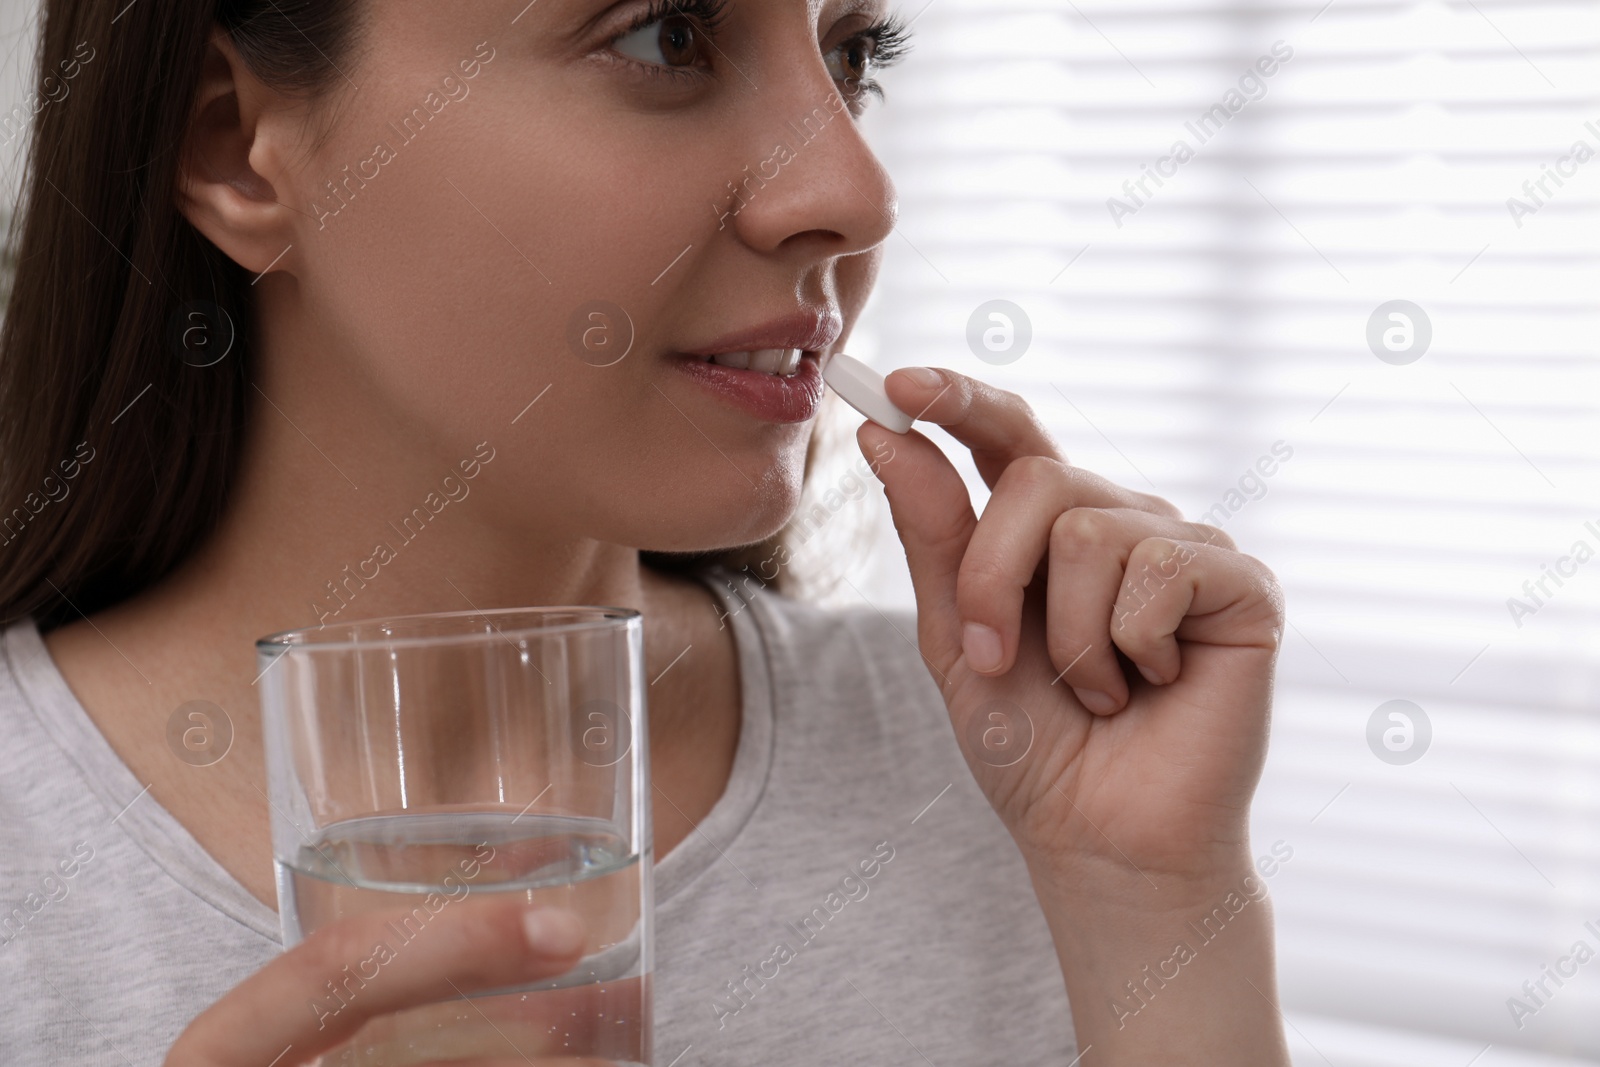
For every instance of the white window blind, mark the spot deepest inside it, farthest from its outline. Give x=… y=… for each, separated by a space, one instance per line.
x=1228 y=313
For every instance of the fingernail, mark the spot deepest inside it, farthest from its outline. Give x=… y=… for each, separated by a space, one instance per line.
x=1099 y=703
x=925 y=376
x=553 y=931
x=982 y=646
x=1149 y=675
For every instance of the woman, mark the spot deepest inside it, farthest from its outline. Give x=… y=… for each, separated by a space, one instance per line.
x=289 y=269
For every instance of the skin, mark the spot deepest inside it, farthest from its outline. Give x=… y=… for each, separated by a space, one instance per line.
x=1132 y=817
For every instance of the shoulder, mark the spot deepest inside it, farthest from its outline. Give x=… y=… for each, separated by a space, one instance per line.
x=24 y=665
x=36 y=765
x=47 y=802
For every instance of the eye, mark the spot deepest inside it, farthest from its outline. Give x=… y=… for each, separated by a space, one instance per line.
x=852 y=61
x=856 y=61
x=673 y=41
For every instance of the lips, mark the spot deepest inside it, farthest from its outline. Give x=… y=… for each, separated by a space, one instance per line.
x=773 y=370
x=780 y=361
x=768 y=396
x=810 y=329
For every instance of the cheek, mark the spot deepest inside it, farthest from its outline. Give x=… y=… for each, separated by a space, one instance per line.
x=856 y=276
x=455 y=277
x=462 y=268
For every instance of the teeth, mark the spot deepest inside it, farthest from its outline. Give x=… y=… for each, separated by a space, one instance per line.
x=783 y=361
x=766 y=359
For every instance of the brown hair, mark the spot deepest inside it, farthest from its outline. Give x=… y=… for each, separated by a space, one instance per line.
x=117 y=445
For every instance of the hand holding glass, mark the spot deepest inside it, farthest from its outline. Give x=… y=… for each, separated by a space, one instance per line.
x=415 y=760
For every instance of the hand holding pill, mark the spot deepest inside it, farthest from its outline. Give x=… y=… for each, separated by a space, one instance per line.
x=1107 y=665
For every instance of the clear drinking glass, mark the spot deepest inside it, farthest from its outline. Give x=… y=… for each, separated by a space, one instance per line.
x=417 y=759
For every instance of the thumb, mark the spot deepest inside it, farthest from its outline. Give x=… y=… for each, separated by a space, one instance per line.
x=933 y=515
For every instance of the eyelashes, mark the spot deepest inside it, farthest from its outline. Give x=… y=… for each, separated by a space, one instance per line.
x=891 y=40
x=708 y=13
x=888 y=40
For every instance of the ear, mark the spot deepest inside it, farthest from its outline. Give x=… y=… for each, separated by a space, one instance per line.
x=234 y=150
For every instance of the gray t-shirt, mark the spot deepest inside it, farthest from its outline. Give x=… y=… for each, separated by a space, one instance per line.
x=117 y=928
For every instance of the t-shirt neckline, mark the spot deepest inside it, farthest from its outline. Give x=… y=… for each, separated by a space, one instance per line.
x=708 y=843
x=165 y=840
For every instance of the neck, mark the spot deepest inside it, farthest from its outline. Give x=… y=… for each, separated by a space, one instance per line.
x=342 y=530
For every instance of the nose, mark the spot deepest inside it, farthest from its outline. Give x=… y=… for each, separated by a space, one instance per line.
x=816 y=183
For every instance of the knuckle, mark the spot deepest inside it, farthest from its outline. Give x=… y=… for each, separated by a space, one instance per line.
x=995 y=396
x=979 y=584
x=1030 y=474
x=1133 y=629
x=964 y=389
x=1215 y=535
x=1142 y=585
x=1081 y=532
x=1133 y=618
x=1164 y=552
x=1263 y=572
x=980 y=571
x=1158 y=505
x=1270 y=591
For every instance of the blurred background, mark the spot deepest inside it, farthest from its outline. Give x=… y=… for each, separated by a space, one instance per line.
x=1225 y=336
x=1327 y=275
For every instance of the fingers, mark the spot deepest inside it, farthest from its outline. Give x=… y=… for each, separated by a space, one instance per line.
x=1028 y=514
x=378 y=963
x=1193 y=592
x=1110 y=588
x=1090 y=551
x=933 y=515
x=970 y=575
x=999 y=427
x=1160 y=590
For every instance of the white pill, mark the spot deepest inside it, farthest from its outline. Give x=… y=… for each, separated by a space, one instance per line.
x=862 y=388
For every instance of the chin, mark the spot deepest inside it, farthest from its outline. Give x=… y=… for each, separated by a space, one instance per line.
x=687 y=510
x=739 y=532
x=693 y=529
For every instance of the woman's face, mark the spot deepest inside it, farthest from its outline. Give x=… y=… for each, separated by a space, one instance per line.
x=528 y=201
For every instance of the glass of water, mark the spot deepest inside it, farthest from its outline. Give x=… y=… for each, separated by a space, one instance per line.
x=418 y=759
